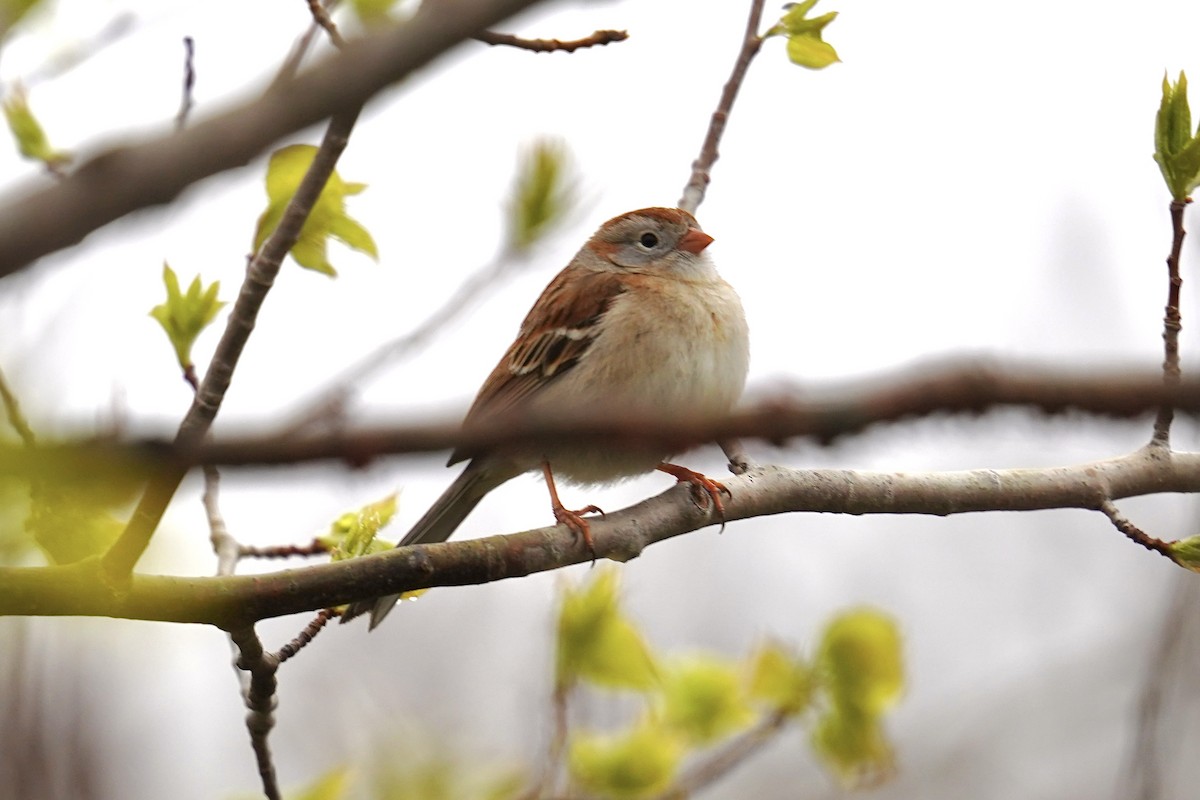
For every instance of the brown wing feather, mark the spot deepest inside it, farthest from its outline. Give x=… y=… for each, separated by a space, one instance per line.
x=558 y=330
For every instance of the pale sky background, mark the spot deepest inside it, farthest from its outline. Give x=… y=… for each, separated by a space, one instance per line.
x=972 y=180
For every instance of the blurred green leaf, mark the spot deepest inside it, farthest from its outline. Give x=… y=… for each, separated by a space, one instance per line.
x=638 y=763
x=12 y=12
x=328 y=218
x=1176 y=148
x=374 y=12
x=704 y=699
x=353 y=534
x=854 y=746
x=805 y=45
x=31 y=139
x=861 y=662
x=543 y=194
x=596 y=642
x=330 y=786
x=781 y=679
x=73 y=519
x=184 y=316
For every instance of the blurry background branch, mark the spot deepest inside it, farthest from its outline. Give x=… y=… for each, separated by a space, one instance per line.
x=956 y=387
x=129 y=177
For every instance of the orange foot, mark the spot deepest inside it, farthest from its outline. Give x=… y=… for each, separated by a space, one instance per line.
x=572 y=519
x=704 y=489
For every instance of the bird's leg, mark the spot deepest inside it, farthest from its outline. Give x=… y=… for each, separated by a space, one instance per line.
x=704 y=489
x=572 y=519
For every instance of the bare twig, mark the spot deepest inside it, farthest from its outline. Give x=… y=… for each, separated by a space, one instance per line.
x=720 y=763
x=153 y=171
x=1135 y=534
x=327 y=410
x=693 y=191
x=237 y=600
x=257 y=670
x=313 y=548
x=186 y=102
x=1172 y=325
x=598 y=38
x=321 y=17
x=307 y=635
x=260 y=276
x=547 y=780
x=227 y=549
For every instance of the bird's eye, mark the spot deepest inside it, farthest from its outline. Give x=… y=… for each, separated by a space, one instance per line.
x=648 y=240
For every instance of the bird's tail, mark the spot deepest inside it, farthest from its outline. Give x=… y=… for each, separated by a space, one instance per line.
x=438 y=524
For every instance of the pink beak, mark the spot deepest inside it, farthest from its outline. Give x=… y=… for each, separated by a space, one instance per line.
x=694 y=241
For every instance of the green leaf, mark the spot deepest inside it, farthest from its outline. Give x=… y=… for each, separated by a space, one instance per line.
x=781 y=679
x=11 y=12
x=596 y=642
x=542 y=196
x=806 y=46
x=328 y=218
x=1186 y=553
x=373 y=12
x=704 y=699
x=861 y=663
x=185 y=316
x=1176 y=148
x=854 y=746
x=30 y=137
x=639 y=763
x=72 y=519
x=354 y=533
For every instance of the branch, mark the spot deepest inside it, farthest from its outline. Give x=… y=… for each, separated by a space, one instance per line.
x=230 y=602
x=1172 y=325
x=155 y=170
x=955 y=387
x=596 y=39
x=260 y=277
x=693 y=192
x=259 y=693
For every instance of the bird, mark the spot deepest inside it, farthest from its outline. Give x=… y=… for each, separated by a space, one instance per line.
x=639 y=322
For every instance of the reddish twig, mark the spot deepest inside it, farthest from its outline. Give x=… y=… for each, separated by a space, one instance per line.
x=693 y=191
x=321 y=17
x=313 y=548
x=1135 y=534
x=1172 y=325
x=596 y=39
x=307 y=635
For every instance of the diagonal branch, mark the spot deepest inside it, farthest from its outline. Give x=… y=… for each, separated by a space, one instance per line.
x=153 y=171
x=234 y=601
x=260 y=276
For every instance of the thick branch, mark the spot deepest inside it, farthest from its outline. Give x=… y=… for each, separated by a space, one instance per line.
x=235 y=601
x=154 y=171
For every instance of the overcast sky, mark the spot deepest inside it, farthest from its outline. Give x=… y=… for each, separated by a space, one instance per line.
x=973 y=179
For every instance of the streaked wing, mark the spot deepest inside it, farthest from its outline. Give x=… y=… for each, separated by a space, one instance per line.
x=558 y=330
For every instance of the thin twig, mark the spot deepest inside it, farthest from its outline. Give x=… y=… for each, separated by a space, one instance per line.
x=693 y=191
x=257 y=670
x=120 y=559
x=1172 y=325
x=313 y=548
x=596 y=39
x=12 y=411
x=189 y=82
x=226 y=548
x=720 y=763
x=1135 y=534
x=546 y=783
x=327 y=410
x=321 y=17
x=307 y=635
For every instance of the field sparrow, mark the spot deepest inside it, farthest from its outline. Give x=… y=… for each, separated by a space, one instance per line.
x=638 y=322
